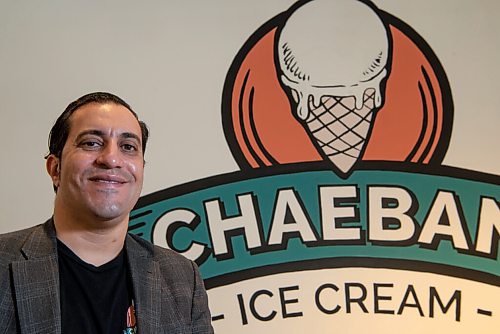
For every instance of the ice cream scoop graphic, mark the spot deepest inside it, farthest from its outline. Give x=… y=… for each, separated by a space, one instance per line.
x=333 y=60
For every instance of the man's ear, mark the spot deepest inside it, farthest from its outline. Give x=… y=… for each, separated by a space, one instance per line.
x=53 y=165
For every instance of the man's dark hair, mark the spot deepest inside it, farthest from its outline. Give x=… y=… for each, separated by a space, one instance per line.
x=60 y=131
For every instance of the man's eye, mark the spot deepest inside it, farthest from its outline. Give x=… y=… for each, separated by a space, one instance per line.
x=129 y=147
x=90 y=144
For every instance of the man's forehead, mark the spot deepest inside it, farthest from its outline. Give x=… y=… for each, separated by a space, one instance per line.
x=104 y=117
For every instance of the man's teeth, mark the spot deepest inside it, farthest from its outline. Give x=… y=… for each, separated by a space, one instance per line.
x=106 y=181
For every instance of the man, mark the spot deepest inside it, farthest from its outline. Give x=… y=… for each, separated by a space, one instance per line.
x=80 y=272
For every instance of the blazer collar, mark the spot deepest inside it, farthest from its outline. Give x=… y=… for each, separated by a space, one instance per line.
x=145 y=273
x=36 y=282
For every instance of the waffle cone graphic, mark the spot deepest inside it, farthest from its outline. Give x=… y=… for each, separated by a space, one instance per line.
x=339 y=129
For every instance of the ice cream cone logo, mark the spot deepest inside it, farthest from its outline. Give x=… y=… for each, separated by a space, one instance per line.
x=338 y=81
x=333 y=69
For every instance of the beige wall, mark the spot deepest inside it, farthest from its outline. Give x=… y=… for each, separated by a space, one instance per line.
x=169 y=59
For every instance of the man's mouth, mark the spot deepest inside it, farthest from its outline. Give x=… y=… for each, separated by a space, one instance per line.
x=108 y=179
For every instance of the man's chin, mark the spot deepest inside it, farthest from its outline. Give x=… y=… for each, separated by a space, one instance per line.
x=110 y=212
x=109 y=208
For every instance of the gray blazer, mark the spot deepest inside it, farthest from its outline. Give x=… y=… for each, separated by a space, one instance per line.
x=168 y=291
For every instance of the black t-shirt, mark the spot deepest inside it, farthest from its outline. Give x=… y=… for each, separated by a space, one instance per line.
x=94 y=299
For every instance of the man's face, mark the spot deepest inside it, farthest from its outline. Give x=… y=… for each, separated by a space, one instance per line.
x=102 y=164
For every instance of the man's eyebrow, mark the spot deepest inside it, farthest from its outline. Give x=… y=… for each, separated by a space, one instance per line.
x=95 y=132
x=130 y=135
x=90 y=132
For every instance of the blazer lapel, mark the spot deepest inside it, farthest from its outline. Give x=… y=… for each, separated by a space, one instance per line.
x=145 y=273
x=36 y=283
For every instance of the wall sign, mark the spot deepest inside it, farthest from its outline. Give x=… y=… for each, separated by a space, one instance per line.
x=342 y=216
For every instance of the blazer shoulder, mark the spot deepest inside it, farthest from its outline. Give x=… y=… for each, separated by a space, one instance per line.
x=36 y=241
x=12 y=242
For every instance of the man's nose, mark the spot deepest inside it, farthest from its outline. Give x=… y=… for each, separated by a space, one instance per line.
x=109 y=157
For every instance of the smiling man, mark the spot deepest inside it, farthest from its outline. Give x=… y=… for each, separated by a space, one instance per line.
x=80 y=272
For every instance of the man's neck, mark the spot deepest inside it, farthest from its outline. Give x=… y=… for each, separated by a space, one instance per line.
x=96 y=242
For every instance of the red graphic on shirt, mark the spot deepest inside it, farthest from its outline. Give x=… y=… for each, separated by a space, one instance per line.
x=131 y=316
x=131 y=321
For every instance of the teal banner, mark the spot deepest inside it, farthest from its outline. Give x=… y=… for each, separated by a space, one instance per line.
x=237 y=226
